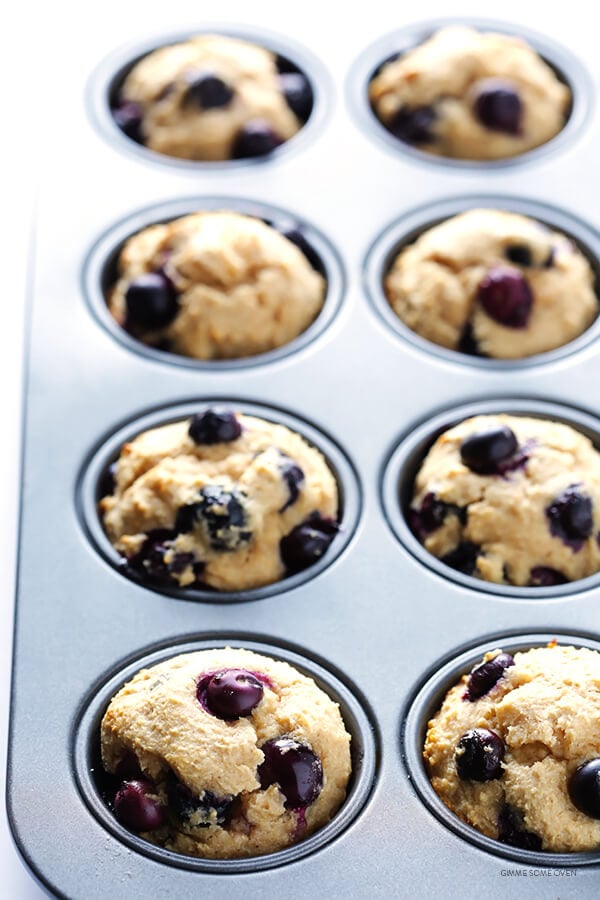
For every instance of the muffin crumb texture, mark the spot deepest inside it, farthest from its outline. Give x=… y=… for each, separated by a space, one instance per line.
x=213 y=98
x=511 y=500
x=493 y=284
x=220 y=501
x=470 y=95
x=514 y=750
x=215 y=285
x=224 y=754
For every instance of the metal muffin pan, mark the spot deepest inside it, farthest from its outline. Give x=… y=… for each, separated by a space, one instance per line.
x=375 y=616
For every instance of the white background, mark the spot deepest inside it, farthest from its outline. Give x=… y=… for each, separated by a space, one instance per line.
x=41 y=44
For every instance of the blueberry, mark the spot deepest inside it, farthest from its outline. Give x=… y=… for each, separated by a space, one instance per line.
x=307 y=542
x=506 y=297
x=149 y=561
x=413 y=126
x=293 y=476
x=484 y=451
x=151 y=301
x=128 y=117
x=294 y=768
x=544 y=576
x=256 y=138
x=214 y=426
x=463 y=558
x=498 y=107
x=208 y=91
x=429 y=517
x=298 y=94
x=485 y=675
x=220 y=516
x=229 y=694
x=135 y=809
x=479 y=754
x=570 y=517
x=519 y=254
x=584 y=788
x=107 y=484
x=197 y=812
x=511 y=831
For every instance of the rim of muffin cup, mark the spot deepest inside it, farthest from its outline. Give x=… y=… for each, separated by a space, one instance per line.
x=406 y=458
x=106 y=451
x=100 y=274
x=404 y=231
x=427 y=698
x=359 y=720
x=565 y=65
x=108 y=77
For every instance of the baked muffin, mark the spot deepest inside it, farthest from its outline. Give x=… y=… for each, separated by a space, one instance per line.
x=511 y=500
x=224 y=754
x=514 y=750
x=470 y=95
x=213 y=98
x=215 y=285
x=493 y=283
x=221 y=501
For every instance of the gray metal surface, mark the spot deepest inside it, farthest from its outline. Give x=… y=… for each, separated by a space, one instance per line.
x=375 y=614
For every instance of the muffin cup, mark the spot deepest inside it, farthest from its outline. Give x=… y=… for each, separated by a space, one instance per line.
x=426 y=701
x=412 y=225
x=405 y=461
x=89 y=482
x=355 y=713
x=110 y=74
x=100 y=274
x=565 y=65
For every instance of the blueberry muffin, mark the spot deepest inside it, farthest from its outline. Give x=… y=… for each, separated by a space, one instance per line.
x=514 y=750
x=511 y=500
x=215 y=285
x=213 y=98
x=222 y=500
x=470 y=95
x=495 y=284
x=224 y=754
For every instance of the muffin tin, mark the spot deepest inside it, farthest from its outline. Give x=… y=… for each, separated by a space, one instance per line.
x=376 y=621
